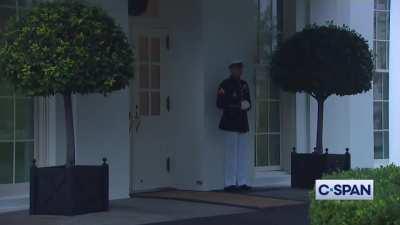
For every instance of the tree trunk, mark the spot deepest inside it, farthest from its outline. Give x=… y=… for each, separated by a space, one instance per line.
x=69 y=130
x=320 y=126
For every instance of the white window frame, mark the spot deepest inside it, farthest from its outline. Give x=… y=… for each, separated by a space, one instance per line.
x=385 y=160
x=262 y=74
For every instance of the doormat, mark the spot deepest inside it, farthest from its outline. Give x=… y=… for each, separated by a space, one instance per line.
x=221 y=198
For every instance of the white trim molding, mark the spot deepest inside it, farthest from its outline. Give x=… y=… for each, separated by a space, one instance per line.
x=44 y=130
x=394 y=81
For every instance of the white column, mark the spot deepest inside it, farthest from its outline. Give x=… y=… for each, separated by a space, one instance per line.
x=394 y=85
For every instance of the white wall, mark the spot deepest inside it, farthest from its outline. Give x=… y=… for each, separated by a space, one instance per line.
x=185 y=71
x=348 y=121
x=229 y=33
x=302 y=100
x=394 y=91
x=102 y=122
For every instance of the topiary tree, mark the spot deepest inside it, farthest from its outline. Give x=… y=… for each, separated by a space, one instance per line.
x=65 y=47
x=323 y=61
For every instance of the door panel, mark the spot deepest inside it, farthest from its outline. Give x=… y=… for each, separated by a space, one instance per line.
x=149 y=114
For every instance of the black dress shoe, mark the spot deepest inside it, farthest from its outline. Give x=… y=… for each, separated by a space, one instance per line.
x=231 y=188
x=245 y=188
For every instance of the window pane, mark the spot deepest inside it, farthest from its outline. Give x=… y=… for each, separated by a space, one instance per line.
x=262 y=116
x=261 y=89
x=385 y=82
x=23 y=159
x=155 y=77
x=6 y=162
x=266 y=30
x=5 y=14
x=143 y=49
x=261 y=150
x=5 y=89
x=6 y=119
x=377 y=115
x=381 y=55
x=7 y=3
x=382 y=4
x=377 y=86
x=274 y=91
x=274 y=118
x=155 y=50
x=144 y=103
x=144 y=76
x=155 y=103
x=382 y=25
x=385 y=113
x=274 y=150
x=24 y=118
x=386 y=144
x=378 y=145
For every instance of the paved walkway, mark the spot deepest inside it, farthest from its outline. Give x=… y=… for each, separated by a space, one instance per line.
x=170 y=212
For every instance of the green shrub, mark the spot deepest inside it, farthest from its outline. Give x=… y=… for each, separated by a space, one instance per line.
x=323 y=61
x=383 y=210
x=65 y=47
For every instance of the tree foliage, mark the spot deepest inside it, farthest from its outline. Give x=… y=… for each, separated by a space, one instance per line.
x=65 y=47
x=323 y=61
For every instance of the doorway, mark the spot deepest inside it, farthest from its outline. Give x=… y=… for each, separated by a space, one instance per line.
x=149 y=113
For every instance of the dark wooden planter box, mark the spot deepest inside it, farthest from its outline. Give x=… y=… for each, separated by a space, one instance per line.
x=69 y=191
x=308 y=167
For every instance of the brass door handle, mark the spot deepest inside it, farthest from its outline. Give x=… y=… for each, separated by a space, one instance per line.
x=134 y=120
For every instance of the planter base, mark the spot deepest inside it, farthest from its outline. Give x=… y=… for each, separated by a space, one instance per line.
x=69 y=191
x=308 y=167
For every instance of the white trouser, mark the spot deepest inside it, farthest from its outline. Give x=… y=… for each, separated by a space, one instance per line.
x=237 y=159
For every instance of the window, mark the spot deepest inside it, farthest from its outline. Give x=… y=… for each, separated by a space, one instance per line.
x=381 y=78
x=149 y=66
x=267 y=136
x=268 y=124
x=16 y=121
x=16 y=136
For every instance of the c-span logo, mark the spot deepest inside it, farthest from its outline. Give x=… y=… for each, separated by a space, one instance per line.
x=344 y=190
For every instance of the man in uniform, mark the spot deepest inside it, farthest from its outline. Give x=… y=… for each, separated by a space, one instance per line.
x=233 y=98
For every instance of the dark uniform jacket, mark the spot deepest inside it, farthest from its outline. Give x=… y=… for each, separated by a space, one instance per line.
x=231 y=93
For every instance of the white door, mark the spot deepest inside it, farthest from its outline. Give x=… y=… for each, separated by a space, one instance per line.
x=149 y=112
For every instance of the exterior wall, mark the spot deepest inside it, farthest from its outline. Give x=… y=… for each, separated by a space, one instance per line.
x=197 y=62
x=101 y=124
x=228 y=34
x=302 y=100
x=185 y=72
x=394 y=92
x=348 y=121
x=288 y=100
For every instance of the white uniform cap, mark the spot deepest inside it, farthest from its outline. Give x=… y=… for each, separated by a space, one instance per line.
x=236 y=62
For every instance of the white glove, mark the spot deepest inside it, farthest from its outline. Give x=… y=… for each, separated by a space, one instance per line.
x=245 y=105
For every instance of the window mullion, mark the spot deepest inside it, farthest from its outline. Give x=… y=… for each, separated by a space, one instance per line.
x=149 y=74
x=14 y=135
